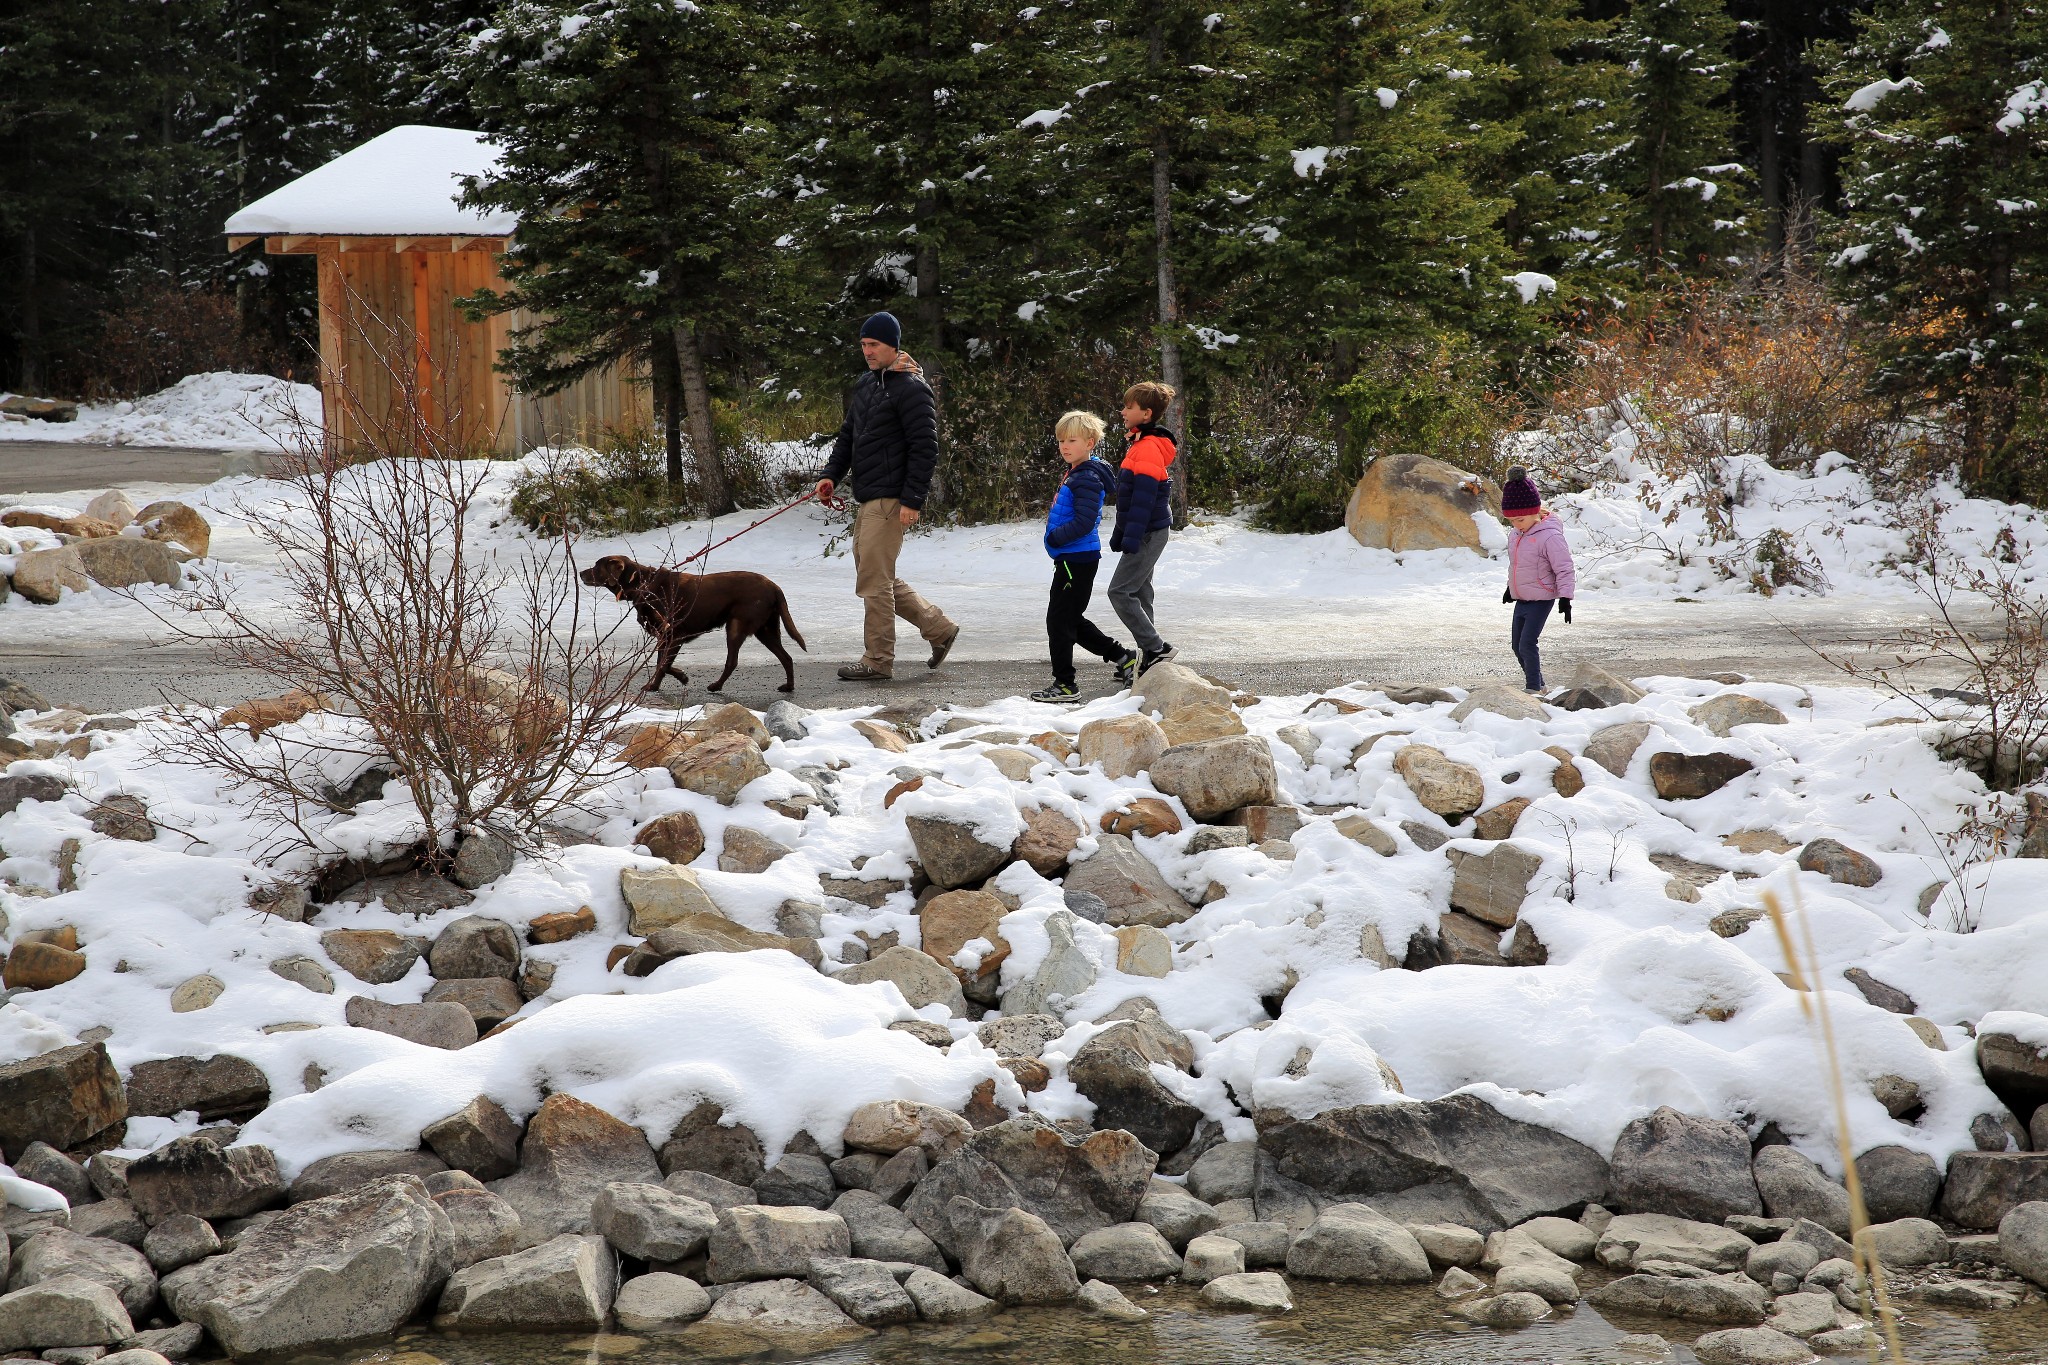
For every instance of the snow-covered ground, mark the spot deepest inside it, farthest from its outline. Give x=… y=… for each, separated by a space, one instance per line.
x=207 y=410
x=1641 y=1004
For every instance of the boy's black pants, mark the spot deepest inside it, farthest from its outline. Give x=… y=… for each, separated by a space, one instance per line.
x=1066 y=616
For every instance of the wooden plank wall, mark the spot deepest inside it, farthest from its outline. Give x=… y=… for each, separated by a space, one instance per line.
x=370 y=304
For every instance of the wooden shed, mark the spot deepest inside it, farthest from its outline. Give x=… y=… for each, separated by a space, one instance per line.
x=395 y=251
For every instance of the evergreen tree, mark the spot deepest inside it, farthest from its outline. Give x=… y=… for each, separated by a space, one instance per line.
x=631 y=156
x=1563 y=97
x=1683 y=211
x=1942 y=116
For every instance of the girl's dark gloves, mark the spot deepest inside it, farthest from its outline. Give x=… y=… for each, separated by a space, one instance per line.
x=1564 y=609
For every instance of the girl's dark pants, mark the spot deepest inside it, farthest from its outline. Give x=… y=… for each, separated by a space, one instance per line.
x=1528 y=627
x=1066 y=617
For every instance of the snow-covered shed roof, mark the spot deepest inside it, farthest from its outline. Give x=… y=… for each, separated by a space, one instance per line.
x=401 y=183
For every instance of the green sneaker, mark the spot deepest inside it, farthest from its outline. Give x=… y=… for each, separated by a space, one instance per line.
x=1058 y=692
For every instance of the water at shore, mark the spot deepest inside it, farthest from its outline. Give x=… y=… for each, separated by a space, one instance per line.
x=1330 y=1324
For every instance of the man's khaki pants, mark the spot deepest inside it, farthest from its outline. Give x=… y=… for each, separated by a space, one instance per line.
x=877 y=540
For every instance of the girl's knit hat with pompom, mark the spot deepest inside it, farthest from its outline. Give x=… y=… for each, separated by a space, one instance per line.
x=1518 y=496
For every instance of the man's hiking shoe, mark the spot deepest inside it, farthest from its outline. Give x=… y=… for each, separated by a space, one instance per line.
x=1127 y=668
x=943 y=648
x=861 y=671
x=1155 y=657
x=1058 y=692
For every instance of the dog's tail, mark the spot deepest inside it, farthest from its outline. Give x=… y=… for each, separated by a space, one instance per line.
x=789 y=623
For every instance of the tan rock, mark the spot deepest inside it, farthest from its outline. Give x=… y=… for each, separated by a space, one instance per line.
x=1054 y=743
x=1565 y=779
x=112 y=507
x=884 y=737
x=1499 y=822
x=196 y=993
x=732 y=718
x=125 y=562
x=561 y=926
x=654 y=746
x=265 y=713
x=1412 y=502
x=175 y=522
x=1142 y=815
x=676 y=838
x=1755 y=841
x=1015 y=764
x=1167 y=687
x=58 y=523
x=1124 y=745
x=39 y=966
x=749 y=850
x=1360 y=830
x=1142 y=950
x=40 y=575
x=1449 y=788
x=1048 y=840
x=1186 y=724
x=657 y=897
x=890 y=1126
x=719 y=767
x=951 y=921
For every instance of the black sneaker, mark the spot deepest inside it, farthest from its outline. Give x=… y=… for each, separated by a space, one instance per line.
x=1152 y=657
x=1127 y=668
x=1058 y=692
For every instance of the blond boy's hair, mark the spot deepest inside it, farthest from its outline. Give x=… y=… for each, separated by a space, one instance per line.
x=1152 y=396
x=1078 y=423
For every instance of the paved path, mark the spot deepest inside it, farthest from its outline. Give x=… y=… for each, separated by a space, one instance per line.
x=62 y=466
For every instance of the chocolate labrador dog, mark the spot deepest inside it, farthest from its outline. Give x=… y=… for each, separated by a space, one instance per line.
x=675 y=608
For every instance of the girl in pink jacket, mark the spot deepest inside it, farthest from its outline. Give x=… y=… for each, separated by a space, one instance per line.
x=1540 y=571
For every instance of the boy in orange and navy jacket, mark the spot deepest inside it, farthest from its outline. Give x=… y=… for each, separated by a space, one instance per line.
x=1144 y=514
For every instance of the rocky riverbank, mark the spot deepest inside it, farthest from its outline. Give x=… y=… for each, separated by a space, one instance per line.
x=819 y=1023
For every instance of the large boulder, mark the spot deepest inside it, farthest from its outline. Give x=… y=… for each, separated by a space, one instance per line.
x=475 y=946
x=376 y=957
x=1114 y=1071
x=566 y=1284
x=1687 y=777
x=66 y=1097
x=444 y=1024
x=651 y=1223
x=66 y=1311
x=125 y=562
x=2023 y=1241
x=571 y=1152
x=352 y=1170
x=1075 y=1184
x=479 y=1138
x=1491 y=886
x=176 y=524
x=922 y=979
x=1011 y=1255
x=1458 y=1151
x=882 y=1232
x=485 y=1227
x=193 y=1175
x=1727 y=1299
x=720 y=767
x=1066 y=971
x=704 y=1142
x=1213 y=777
x=1898 y=1182
x=1632 y=1240
x=864 y=1290
x=1413 y=502
x=1124 y=745
x=773 y=1315
x=1451 y=789
x=1359 y=1244
x=1128 y=884
x=55 y=1252
x=42 y=576
x=758 y=1242
x=1793 y=1187
x=330 y=1270
x=657 y=897
x=1983 y=1187
x=2016 y=1071
x=956 y=853
x=1685 y=1166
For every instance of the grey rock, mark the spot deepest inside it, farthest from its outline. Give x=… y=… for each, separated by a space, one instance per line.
x=882 y=1232
x=1507 y=1310
x=1447 y=1244
x=785 y=1313
x=1228 y=1170
x=1804 y=1314
x=797 y=1180
x=109 y=1174
x=1087 y=905
x=659 y=1302
x=46 y=1165
x=1127 y=1251
x=63 y=1097
x=2023 y=1241
x=66 y=1311
x=1982 y=1187
x=473 y=947
x=29 y=787
x=1178 y=1215
x=703 y=1141
x=351 y=1170
x=1126 y=881
x=1259 y=1291
x=1564 y=1237
x=301 y=970
x=785 y=720
x=1614 y=747
x=1103 y=1300
x=1114 y=1071
x=719 y=1194
x=1546 y=1282
x=1877 y=993
x=2016 y=1071
x=1459 y=1283
x=490 y=1000
x=1066 y=972
x=484 y=1226
x=444 y=1024
x=441 y=1182
x=939 y=1299
x=217 y=1087
x=1011 y=1255
x=1734 y=1300
x=1751 y=1346
x=1211 y=1257
x=652 y=1223
x=1839 y=863
x=55 y=1253
x=1684 y=1166
x=376 y=957
x=1359 y=1244
x=1632 y=1239
x=863 y=1290
x=1075 y=1185
x=755 y=1242
x=1499 y=1171
x=1020 y=1035
x=480 y=859
x=1999 y=1132
x=1773 y=1259
x=114 y=1219
x=479 y=1138
x=410 y=893
x=192 y=1175
x=565 y=1284
x=572 y=1150
x=1213 y=777
x=1492 y=886
x=178 y=1241
x=1907 y=1242
x=1793 y=1187
x=952 y=852
x=330 y=1270
x=923 y=980
x=1264 y=1243
x=898 y=1176
x=1898 y=1183
x=172 y=1343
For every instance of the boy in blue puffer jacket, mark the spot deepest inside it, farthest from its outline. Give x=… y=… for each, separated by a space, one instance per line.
x=1073 y=540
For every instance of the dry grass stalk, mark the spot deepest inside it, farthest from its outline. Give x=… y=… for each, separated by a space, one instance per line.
x=1813 y=1002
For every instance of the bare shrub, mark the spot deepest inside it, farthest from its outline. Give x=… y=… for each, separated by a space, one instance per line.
x=164 y=331
x=476 y=676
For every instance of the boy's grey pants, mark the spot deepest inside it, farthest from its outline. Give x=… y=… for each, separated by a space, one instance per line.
x=1130 y=590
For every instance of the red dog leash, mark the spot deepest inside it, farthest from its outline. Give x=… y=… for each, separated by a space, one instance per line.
x=833 y=503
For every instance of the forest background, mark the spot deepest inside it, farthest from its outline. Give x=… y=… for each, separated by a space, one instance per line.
x=1341 y=228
